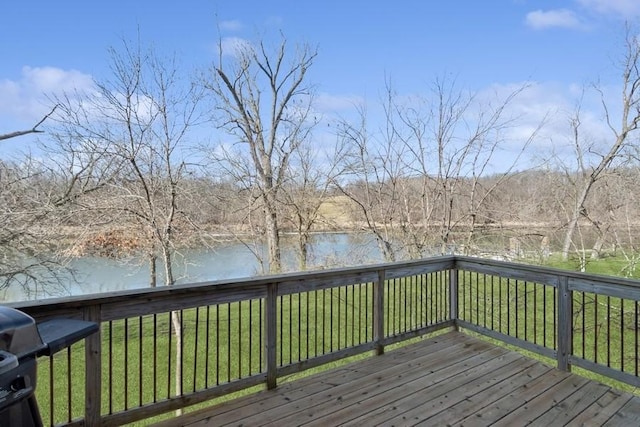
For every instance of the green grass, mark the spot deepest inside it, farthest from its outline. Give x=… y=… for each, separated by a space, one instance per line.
x=610 y=264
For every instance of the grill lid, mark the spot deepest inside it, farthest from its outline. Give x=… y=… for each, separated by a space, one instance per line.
x=18 y=332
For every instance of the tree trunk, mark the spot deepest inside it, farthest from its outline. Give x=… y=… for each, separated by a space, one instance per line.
x=273 y=239
x=176 y=319
x=303 y=247
x=575 y=216
x=153 y=270
x=176 y=322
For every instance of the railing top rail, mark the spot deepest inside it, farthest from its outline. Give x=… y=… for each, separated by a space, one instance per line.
x=546 y=275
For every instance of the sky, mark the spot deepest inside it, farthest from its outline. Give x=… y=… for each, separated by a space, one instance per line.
x=556 y=47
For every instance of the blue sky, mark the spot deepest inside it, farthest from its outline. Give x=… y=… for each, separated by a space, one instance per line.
x=557 y=46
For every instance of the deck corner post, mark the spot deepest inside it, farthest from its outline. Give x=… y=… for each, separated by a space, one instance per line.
x=93 y=366
x=378 y=313
x=271 y=335
x=565 y=333
x=453 y=297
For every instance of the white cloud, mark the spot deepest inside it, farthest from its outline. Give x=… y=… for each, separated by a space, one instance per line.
x=235 y=46
x=553 y=105
x=25 y=99
x=556 y=18
x=274 y=21
x=325 y=102
x=233 y=25
x=627 y=9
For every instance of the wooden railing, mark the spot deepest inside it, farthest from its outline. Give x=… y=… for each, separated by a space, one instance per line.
x=165 y=349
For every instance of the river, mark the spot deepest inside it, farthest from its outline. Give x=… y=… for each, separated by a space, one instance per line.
x=225 y=261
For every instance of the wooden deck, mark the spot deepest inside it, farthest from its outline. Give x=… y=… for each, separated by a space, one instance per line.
x=452 y=379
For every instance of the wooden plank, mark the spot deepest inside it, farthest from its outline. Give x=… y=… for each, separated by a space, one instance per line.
x=628 y=415
x=422 y=407
x=264 y=400
x=600 y=411
x=521 y=396
x=529 y=411
x=363 y=404
x=528 y=273
x=363 y=382
x=298 y=389
x=430 y=397
x=606 y=286
x=566 y=410
x=472 y=401
x=435 y=265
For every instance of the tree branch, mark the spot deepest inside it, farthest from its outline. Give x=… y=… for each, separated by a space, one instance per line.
x=32 y=130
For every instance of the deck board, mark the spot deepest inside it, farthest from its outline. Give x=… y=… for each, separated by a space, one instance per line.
x=451 y=379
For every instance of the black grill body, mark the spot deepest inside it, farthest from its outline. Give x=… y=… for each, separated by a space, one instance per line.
x=21 y=342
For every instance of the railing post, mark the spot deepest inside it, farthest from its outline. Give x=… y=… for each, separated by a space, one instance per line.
x=565 y=333
x=271 y=335
x=378 y=313
x=453 y=296
x=93 y=365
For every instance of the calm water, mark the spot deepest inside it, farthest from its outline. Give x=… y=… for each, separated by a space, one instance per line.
x=226 y=261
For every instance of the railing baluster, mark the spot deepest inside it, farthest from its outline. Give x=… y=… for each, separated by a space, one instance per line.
x=338 y=320
x=622 y=335
x=636 y=329
x=217 y=344
x=52 y=419
x=69 y=385
x=544 y=315
x=453 y=296
x=239 y=335
x=378 y=312
x=169 y=352
x=250 y=336
x=307 y=325
x=596 y=331
x=608 y=339
x=155 y=357
x=228 y=342
x=140 y=341
x=124 y=363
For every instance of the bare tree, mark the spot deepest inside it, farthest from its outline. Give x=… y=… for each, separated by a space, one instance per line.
x=304 y=194
x=370 y=165
x=262 y=100
x=593 y=163
x=39 y=195
x=423 y=174
x=28 y=131
x=141 y=118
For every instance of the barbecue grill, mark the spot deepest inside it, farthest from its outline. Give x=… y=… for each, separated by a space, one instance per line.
x=21 y=342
